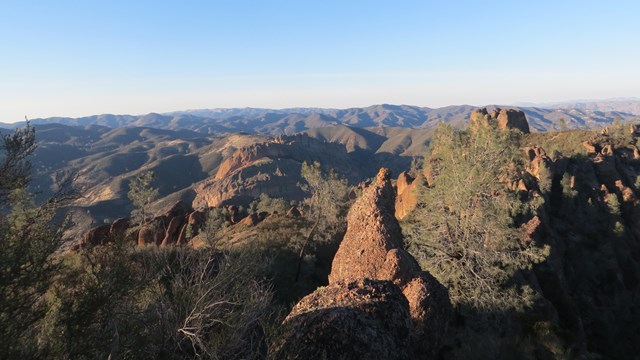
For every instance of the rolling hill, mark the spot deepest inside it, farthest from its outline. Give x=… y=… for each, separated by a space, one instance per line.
x=290 y=121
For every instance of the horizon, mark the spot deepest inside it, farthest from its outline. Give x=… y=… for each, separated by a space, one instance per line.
x=522 y=104
x=75 y=60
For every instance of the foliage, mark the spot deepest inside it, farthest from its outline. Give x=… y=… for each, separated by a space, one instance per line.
x=215 y=222
x=27 y=242
x=327 y=202
x=566 y=143
x=15 y=168
x=270 y=205
x=141 y=195
x=464 y=232
x=117 y=301
x=326 y=205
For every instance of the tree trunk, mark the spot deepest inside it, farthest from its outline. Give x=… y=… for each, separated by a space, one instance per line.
x=304 y=245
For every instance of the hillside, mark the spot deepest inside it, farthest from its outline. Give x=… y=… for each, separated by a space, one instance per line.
x=212 y=169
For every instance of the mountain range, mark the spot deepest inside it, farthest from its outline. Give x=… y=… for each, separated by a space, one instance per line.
x=588 y=115
x=222 y=156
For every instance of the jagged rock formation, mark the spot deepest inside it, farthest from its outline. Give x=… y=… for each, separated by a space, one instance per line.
x=503 y=118
x=103 y=234
x=407 y=196
x=372 y=249
x=591 y=221
x=273 y=168
x=169 y=228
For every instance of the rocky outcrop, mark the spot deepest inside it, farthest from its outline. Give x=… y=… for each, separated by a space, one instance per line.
x=538 y=159
x=97 y=236
x=195 y=222
x=590 y=221
x=176 y=226
x=253 y=219
x=502 y=118
x=357 y=319
x=372 y=231
x=150 y=234
x=103 y=234
x=512 y=119
x=273 y=168
x=407 y=196
x=372 y=249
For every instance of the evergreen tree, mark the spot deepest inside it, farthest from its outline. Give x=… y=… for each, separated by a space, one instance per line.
x=27 y=241
x=326 y=204
x=141 y=195
x=463 y=230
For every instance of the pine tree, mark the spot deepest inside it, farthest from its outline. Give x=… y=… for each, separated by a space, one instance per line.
x=141 y=195
x=28 y=238
x=326 y=203
x=463 y=230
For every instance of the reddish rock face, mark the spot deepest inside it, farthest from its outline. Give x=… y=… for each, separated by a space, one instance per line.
x=372 y=251
x=164 y=229
x=512 y=119
x=173 y=230
x=407 y=198
x=372 y=231
x=538 y=159
x=272 y=168
x=95 y=236
x=503 y=118
x=251 y=220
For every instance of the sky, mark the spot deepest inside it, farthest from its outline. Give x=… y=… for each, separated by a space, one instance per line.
x=78 y=58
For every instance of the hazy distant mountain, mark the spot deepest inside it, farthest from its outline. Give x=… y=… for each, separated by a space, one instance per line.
x=622 y=105
x=289 y=121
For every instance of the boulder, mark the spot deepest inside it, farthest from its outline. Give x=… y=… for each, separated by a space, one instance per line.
x=96 y=236
x=538 y=159
x=149 y=234
x=349 y=319
x=119 y=227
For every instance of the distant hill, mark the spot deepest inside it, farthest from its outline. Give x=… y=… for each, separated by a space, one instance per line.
x=186 y=149
x=290 y=121
x=623 y=105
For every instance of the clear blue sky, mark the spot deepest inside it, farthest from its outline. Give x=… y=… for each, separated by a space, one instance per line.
x=74 y=58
